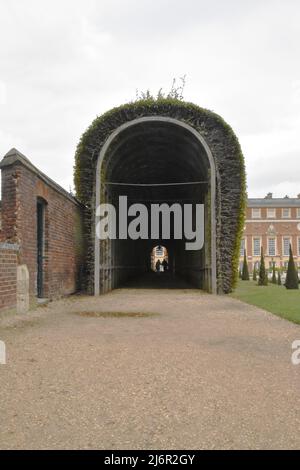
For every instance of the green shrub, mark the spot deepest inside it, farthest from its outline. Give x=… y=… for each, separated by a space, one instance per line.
x=263 y=276
x=292 y=281
x=274 y=280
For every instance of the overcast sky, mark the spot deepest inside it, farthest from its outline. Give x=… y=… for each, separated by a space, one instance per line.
x=64 y=62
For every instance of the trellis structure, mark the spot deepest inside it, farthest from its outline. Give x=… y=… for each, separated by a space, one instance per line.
x=142 y=149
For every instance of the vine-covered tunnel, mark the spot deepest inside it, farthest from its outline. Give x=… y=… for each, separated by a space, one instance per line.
x=156 y=161
x=157 y=153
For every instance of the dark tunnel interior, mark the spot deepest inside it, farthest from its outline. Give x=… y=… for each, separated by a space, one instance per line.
x=147 y=163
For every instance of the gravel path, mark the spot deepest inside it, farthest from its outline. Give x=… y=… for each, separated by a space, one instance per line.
x=203 y=372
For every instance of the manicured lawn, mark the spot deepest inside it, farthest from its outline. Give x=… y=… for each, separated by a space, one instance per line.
x=276 y=299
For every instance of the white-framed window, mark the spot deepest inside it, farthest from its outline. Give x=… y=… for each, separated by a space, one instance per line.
x=256 y=213
x=286 y=213
x=256 y=246
x=243 y=246
x=272 y=246
x=159 y=251
x=286 y=246
x=298 y=212
x=271 y=213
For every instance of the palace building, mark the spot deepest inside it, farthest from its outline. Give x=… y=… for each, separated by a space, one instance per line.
x=274 y=225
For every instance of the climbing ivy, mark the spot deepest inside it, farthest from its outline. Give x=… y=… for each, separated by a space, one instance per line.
x=225 y=148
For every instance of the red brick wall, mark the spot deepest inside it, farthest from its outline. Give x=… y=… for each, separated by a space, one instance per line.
x=21 y=187
x=8 y=277
x=9 y=205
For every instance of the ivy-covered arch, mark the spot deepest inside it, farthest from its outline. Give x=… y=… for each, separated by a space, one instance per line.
x=228 y=160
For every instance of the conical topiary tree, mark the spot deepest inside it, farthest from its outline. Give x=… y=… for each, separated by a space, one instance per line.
x=279 y=278
x=254 y=274
x=274 y=280
x=292 y=281
x=263 y=276
x=245 y=272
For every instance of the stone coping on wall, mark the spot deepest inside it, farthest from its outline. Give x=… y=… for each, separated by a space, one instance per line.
x=9 y=246
x=14 y=156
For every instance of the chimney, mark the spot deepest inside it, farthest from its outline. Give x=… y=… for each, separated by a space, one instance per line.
x=269 y=196
x=298 y=196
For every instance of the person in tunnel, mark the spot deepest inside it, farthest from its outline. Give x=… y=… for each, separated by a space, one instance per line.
x=165 y=265
x=157 y=265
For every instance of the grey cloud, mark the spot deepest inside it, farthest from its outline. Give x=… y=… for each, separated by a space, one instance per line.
x=62 y=63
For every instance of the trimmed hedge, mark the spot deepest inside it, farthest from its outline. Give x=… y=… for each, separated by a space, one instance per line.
x=292 y=281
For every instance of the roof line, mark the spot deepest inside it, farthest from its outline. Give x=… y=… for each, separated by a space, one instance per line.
x=14 y=156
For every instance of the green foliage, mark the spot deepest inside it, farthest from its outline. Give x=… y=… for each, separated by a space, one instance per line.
x=292 y=281
x=263 y=276
x=175 y=93
x=245 y=272
x=274 y=280
x=279 y=278
x=222 y=142
x=254 y=274
x=241 y=214
x=281 y=302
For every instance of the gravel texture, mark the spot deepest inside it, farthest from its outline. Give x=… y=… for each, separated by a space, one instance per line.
x=204 y=372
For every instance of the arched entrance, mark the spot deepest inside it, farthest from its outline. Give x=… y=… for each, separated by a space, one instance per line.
x=160 y=152
x=155 y=160
x=159 y=259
